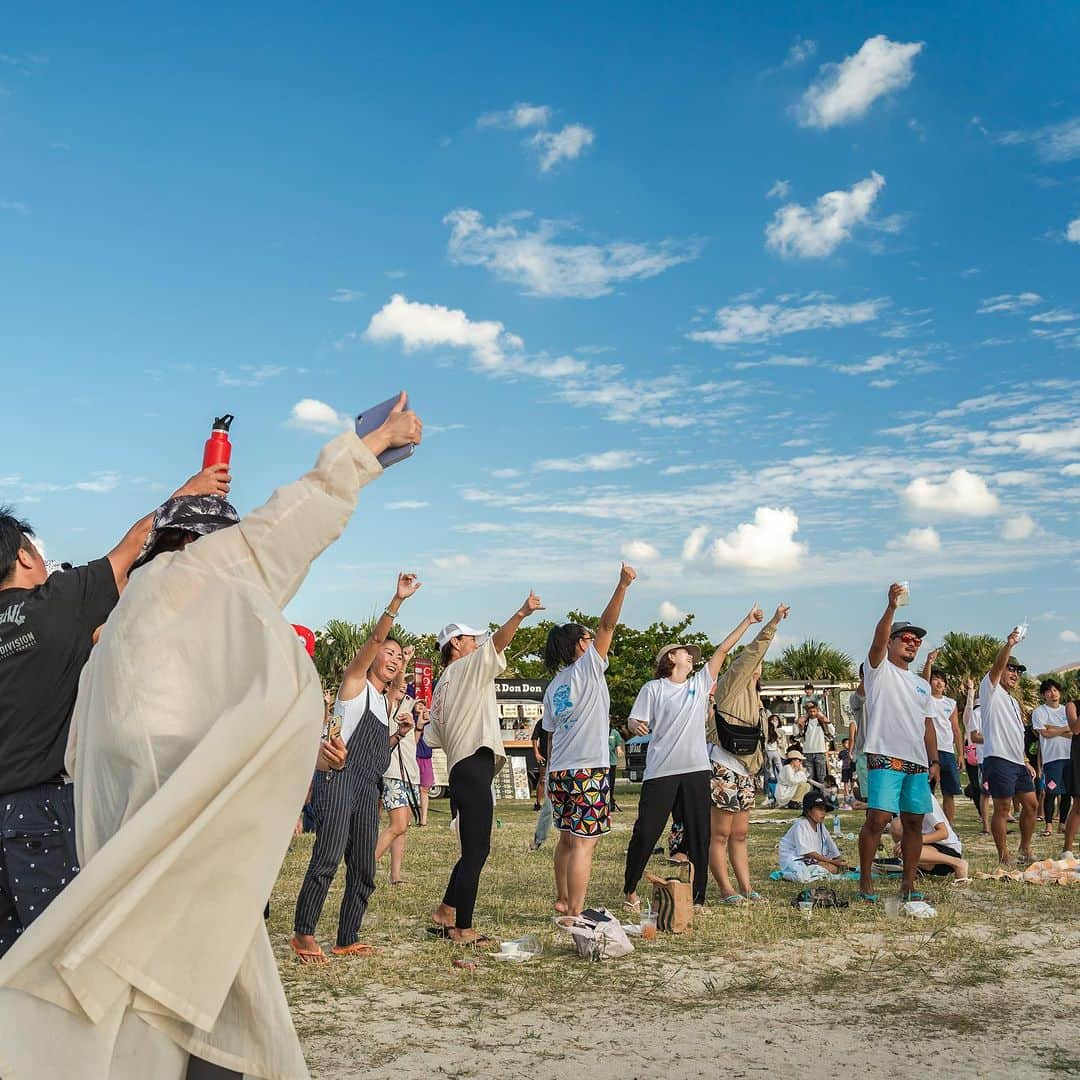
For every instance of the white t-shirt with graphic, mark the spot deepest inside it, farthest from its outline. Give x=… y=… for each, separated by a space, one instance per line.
x=897 y=705
x=675 y=713
x=935 y=818
x=577 y=712
x=941 y=709
x=1054 y=747
x=1002 y=723
x=804 y=836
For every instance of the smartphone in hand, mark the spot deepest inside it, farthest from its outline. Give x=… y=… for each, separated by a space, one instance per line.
x=372 y=418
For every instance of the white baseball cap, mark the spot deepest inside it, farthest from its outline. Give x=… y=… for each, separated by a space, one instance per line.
x=457 y=629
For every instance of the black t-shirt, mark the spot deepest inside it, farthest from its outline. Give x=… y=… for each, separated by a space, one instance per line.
x=542 y=737
x=45 y=639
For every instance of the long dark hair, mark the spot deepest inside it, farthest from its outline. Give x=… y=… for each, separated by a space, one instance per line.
x=561 y=647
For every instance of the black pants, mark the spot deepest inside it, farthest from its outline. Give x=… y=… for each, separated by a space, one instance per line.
x=37 y=854
x=470 y=788
x=975 y=790
x=202 y=1070
x=611 y=787
x=658 y=799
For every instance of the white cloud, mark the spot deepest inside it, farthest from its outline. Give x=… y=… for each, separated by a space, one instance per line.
x=532 y=259
x=606 y=461
x=750 y=322
x=639 y=551
x=481 y=527
x=669 y=613
x=522 y=115
x=102 y=483
x=453 y=562
x=693 y=544
x=1055 y=142
x=882 y=384
x=564 y=145
x=345 y=296
x=1072 y=469
x=1009 y=303
x=843 y=92
x=776 y=361
x=779 y=190
x=1055 y=315
x=1048 y=442
x=1073 y=231
x=768 y=543
x=426 y=326
x=505 y=474
x=925 y=541
x=406 y=504
x=796 y=231
x=309 y=414
x=963 y=494
x=247 y=375
x=801 y=49
x=1069 y=635
x=1019 y=527
x=868 y=366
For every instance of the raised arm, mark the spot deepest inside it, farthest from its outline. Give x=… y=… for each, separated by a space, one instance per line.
x=275 y=545
x=214 y=480
x=357 y=672
x=609 y=618
x=928 y=667
x=749 y=660
x=505 y=634
x=1001 y=661
x=880 y=645
x=716 y=661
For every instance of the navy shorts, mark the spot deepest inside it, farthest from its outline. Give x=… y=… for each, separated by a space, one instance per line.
x=1003 y=778
x=950 y=774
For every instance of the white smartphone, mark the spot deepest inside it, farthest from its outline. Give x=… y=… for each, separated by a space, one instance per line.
x=372 y=418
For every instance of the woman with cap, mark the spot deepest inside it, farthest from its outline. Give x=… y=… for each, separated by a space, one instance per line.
x=346 y=801
x=792 y=782
x=577 y=713
x=465 y=724
x=672 y=709
x=736 y=748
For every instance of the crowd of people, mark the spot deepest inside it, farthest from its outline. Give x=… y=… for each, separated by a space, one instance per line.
x=159 y=731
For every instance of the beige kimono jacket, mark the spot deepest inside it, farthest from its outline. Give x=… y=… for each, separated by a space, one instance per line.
x=193 y=740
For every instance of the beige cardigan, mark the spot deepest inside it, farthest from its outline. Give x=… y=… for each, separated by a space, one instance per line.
x=736 y=694
x=193 y=740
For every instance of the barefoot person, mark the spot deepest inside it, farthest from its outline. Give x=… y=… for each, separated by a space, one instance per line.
x=901 y=747
x=736 y=748
x=947 y=730
x=346 y=802
x=465 y=724
x=672 y=709
x=577 y=709
x=194 y=738
x=942 y=852
x=1006 y=770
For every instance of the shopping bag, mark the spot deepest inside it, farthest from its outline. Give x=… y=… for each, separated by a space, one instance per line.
x=673 y=898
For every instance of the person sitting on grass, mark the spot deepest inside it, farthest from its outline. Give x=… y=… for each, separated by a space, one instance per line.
x=577 y=707
x=792 y=782
x=807 y=851
x=942 y=851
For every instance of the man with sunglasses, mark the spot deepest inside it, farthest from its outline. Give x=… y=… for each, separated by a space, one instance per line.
x=901 y=748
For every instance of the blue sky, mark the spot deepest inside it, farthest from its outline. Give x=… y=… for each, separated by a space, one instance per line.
x=778 y=305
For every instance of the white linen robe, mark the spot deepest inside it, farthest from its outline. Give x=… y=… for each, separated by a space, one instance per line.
x=193 y=741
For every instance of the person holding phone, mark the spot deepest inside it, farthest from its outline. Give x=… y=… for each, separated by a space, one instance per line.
x=346 y=801
x=577 y=708
x=465 y=724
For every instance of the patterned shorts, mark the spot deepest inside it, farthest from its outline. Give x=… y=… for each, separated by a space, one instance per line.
x=396 y=794
x=730 y=791
x=580 y=801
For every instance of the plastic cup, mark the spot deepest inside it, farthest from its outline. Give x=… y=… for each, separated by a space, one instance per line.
x=647 y=923
x=892 y=907
x=905 y=594
x=806 y=908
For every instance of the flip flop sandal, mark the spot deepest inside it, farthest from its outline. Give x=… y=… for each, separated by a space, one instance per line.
x=634 y=906
x=306 y=956
x=733 y=899
x=912 y=897
x=868 y=897
x=438 y=931
x=357 y=948
x=756 y=897
x=400 y=881
x=479 y=944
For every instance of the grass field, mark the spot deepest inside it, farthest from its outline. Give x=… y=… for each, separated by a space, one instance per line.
x=738 y=968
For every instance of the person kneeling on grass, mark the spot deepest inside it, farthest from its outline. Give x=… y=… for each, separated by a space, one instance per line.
x=576 y=713
x=807 y=851
x=942 y=852
x=792 y=782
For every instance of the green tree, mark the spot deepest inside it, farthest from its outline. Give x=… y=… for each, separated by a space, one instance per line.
x=966 y=656
x=339 y=641
x=813 y=660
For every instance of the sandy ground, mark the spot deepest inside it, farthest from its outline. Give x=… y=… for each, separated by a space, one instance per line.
x=1023 y=1023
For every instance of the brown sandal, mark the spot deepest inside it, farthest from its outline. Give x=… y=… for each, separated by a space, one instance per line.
x=357 y=948
x=306 y=956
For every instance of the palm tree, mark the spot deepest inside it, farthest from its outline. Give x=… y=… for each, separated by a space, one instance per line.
x=814 y=660
x=340 y=641
x=966 y=656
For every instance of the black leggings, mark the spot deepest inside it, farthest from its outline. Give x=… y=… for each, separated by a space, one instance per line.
x=974 y=785
x=470 y=788
x=658 y=799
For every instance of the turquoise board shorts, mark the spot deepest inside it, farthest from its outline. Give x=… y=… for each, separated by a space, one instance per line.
x=897 y=791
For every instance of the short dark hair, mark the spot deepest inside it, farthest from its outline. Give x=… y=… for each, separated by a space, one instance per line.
x=664 y=666
x=561 y=647
x=937 y=673
x=15 y=536
x=1047 y=683
x=168 y=539
x=446 y=653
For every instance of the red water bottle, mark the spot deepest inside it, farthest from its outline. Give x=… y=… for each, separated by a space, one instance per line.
x=218 y=449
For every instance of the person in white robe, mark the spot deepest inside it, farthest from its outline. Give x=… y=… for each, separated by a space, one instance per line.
x=194 y=737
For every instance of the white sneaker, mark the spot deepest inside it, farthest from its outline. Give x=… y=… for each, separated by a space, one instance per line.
x=1067 y=855
x=918 y=909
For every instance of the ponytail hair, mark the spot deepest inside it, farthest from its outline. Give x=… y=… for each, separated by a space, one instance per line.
x=561 y=647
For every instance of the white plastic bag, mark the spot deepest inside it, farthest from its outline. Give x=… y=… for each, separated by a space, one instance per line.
x=596 y=939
